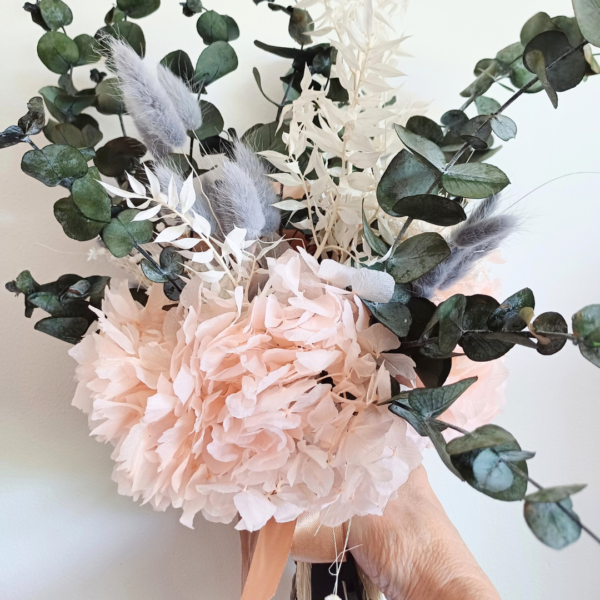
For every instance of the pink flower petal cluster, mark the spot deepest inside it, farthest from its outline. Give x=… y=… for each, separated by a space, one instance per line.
x=266 y=409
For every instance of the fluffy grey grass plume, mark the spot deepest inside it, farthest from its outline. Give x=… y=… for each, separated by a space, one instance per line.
x=482 y=232
x=184 y=101
x=147 y=102
x=243 y=197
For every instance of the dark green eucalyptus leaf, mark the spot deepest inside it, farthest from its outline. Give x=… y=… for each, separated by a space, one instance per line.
x=216 y=61
x=454 y=120
x=408 y=415
x=48 y=302
x=480 y=348
x=430 y=403
x=563 y=75
x=26 y=284
x=291 y=53
x=192 y=7
x=416 y=256
x=78 y=291
x=539 y=23
x=555 y=494
x=422 y=147
x=450 y=317
x=551 y=524
x=212 y=121
x=58 y=52
x=476 y=132
x=56 y=14
x=406 y=175
x=506 y=317
x=71 y=106
x=268 y=136
x=473 y=455
x=66 y=134
x=486 y=106
x=233 y=31
x=91 y=198
x=114 y=15
x=512 y=338
x=153 y=272
x=570 y=27
x=54 y=164
x=74 y=223
x=109 y=98
x=426 y=128
x=394 y=315
x=88 y=153
x=432 y=372
x=172 y=289
x=212 y=27
x=11 y=136
x=179 y=63
x=586 y=324
x=474 y=180
x=551 y=322
x=123 y=233
x=337 y=92
x=67 y=329
x=49 y=93
x=126 y=31
x=377 y=244
x=88 y=50
x=504 y=127
x=587 y=13
x=119 y=155
x=137 y=9
x=300 y=26
x=36 y=15
x=510 y=54
x=436 y=210
x=33 y=122
x=171 y=266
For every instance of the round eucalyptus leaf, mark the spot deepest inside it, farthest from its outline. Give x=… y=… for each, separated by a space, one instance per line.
x=88 y=50
x=570 y=27
x=476 y=132
x=212 y=27
x=171 y=261
x=67 y=329
x=123 y=233
x=91 y=136
x=450 y=315
x=510 y=54
x=422 y=147
x=233 y=31
x=54 y=164
x=109 y=98
x=172 y=289
x=436 y=210
x=474 y=180
x=484 y=81
x=507 y=316
x=56 y=14
x=212 y=121
x=91 y=198
x=551 y=524
x=486 y=106
x=406 y=175
x=454 y=120
x=125 y=31
x=520 y=76
x=586 y=327
x=551 y=322
x=152 y=272
x=58 y=52
x=394 y=315
x=587 y=13
x=504 y=127
x=564 y=75
x=74 y=223
x=491 y=473
x=49 y=93
x=180 y=64
x=67 y=134
x=426 y=128
x=192 y=7
x=119 y=155
x=416 y=256
x=71 y=106
x=215 y=62
x=555 y=494
x=138 y=9
x=539 y=23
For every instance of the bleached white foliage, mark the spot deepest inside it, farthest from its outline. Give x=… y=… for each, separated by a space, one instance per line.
x=359 y=134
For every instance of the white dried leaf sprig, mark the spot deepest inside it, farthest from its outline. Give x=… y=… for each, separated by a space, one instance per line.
x=222 y=259
x=360 y=134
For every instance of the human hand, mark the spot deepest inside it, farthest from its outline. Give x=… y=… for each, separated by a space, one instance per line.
x=414 y=552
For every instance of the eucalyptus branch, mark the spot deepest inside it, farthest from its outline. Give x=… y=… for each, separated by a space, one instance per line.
x=485 y=122
x=122 y=125
x=540 y=487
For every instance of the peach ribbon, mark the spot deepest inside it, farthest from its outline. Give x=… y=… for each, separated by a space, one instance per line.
x=269 y=560
x=306 y=539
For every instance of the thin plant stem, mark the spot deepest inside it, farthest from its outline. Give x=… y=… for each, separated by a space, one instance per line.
x=191 y=149
x=466 y=146
x=31 y=143
x=122 y=125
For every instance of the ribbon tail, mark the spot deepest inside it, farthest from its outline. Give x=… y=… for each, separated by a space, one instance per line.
x=269 y=560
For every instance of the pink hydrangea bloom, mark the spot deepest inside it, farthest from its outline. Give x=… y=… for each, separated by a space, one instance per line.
x=266 y=409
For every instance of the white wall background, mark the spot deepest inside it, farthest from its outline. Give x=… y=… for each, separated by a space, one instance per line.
x=66 y=534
